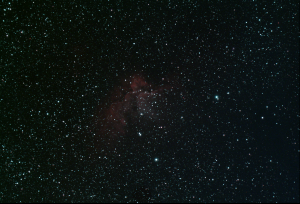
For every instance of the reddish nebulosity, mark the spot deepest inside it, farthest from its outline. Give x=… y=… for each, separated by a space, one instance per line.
x=135 y=104
x=138 y=82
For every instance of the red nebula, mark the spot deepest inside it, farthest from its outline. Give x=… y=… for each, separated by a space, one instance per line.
x=137 y=104
x=138 y=82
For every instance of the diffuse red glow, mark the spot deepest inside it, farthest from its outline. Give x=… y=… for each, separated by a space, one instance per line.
x=138 y=103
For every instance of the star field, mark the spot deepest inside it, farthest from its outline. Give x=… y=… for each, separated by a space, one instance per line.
x=149 y=101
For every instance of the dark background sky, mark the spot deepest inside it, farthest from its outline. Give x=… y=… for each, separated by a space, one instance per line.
x=61 y=61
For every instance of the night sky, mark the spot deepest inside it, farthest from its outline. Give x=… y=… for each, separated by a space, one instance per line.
x=149 y=101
